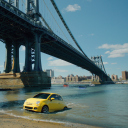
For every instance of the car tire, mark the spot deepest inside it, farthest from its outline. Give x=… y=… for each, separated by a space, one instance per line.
x=45 y=109
x=65 y=108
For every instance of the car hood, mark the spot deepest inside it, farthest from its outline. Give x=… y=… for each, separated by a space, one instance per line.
x=34 y=100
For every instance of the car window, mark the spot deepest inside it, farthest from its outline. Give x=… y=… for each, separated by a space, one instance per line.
x=57 y=97
x=54 y=96
x=42 y=95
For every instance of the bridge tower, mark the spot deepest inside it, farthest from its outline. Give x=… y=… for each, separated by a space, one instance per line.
x=32 y=9
x=98 y=61
x=32 y=42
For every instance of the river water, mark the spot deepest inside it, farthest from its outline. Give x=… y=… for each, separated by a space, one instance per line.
x=102 y=105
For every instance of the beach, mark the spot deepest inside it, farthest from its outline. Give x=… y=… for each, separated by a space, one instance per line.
x=7 y=121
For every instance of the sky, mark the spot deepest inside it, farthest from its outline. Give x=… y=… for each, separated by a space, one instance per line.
x=99 y=26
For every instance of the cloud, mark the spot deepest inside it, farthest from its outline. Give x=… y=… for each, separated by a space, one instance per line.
x=58 y=62
x=113 y=63
x=116 y=50
x=72 y=8
x=116 y=46
x=80 y=35
x=60 y=70
x=92 y=34
x=105 y=62
x=1 y=66
x=50 y=58
x=107 y=52
x=118 y=53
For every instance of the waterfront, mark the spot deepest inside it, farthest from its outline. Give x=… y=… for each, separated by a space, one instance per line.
x=102 y=105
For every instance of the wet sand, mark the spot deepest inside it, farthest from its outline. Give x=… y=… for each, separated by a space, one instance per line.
x=7 y=121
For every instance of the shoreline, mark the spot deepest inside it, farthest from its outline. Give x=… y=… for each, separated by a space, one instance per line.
x=18 y=122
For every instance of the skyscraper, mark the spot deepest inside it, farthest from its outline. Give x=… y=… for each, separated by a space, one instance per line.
x=50 y=73
x=124 y=75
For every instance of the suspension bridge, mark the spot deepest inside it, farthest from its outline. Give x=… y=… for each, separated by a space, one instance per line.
x=40 y=27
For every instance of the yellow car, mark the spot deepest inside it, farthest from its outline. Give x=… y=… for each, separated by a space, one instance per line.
x=45 y=102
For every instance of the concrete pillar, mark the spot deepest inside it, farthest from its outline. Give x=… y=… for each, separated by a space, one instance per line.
x=28 y=63
x=37 y=64
x=15 y=65
x=8 y=62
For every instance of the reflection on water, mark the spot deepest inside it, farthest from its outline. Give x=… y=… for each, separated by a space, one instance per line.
x=104 y=106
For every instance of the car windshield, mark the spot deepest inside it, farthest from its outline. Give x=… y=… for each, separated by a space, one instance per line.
x=42 y=95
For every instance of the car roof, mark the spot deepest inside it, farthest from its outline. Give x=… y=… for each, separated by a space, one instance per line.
x=48 y=93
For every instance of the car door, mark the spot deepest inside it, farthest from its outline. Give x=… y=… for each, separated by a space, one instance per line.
x=53 y=104
x=60 y=103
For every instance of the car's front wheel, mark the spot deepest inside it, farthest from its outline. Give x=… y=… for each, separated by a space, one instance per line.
x=45 y=109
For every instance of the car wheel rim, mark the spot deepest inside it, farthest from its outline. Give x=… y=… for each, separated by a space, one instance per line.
x=45 y=109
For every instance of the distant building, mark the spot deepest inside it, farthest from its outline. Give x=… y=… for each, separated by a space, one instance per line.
x=124 y=75
x=50 y=73
x=95 y=77
x=114 y=77
x=72 y=78
x=58 y=80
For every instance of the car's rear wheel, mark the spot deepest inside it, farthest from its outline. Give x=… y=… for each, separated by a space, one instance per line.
x=65 y=108
x=45 y=109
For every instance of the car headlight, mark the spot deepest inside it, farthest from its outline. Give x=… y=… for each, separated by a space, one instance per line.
x=38 y=102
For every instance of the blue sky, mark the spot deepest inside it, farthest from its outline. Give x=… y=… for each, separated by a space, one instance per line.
x=99 y=26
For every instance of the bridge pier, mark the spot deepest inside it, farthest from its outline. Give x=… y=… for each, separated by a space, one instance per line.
x=15 y=64
x=37 y=64
x=8 y=61
x=25 y=79
x=28 y=61
x=29 y=77
x=33 y=56
x=12 y=51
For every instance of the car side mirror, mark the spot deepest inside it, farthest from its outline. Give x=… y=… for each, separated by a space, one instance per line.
x=52 y=99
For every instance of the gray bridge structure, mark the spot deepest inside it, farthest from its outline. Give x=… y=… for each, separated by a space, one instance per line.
x=18 y=28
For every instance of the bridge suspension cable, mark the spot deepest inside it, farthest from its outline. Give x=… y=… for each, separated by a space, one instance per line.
x=55 y=21
x=58 y=12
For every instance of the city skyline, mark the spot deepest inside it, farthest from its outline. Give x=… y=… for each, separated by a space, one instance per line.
x=101 y=30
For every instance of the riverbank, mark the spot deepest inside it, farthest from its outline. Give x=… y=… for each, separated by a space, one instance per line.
x=7 y=121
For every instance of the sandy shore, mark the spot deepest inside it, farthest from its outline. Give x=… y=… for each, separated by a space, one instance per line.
x=7 y=121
